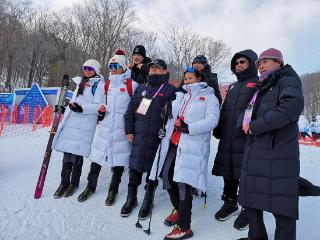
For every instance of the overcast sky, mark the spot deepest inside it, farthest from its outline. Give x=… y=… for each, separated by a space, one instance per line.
x=293 y=26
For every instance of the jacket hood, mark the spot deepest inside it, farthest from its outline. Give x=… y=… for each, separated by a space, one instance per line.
x=196 y=87
x=250 y=72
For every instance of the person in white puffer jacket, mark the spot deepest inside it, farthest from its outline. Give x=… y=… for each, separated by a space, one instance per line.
x=303 y=126
x=110 y=144
x=317 y=128
x=184 y=151
x=75 y=135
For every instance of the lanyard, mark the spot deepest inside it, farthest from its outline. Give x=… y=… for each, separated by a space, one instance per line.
x=253 y=100
x=185 y=104
x=144 y=93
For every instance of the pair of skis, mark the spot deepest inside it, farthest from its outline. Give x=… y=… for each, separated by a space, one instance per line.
x=54 y=128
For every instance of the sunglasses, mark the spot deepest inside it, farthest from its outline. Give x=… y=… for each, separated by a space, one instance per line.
x=116 y=66
x=191 y=70
x=240 y=61
x=89 y=69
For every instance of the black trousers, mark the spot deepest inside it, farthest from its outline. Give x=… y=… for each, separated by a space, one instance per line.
x=135 y=178
x=285 y=226
x=117 y=172
x=230 y=188
x=180 y=196
x=75 y=162
x=93 y=175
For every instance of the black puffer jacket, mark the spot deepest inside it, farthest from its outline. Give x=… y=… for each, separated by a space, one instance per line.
x=141 y=75
x=270 y=166
x=232 y=139
x=212 y=81
x=146 y=127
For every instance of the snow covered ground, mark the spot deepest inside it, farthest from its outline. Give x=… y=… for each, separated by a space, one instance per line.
x=22 y=217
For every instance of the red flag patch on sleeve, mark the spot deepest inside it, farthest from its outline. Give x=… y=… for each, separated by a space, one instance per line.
x=202 y=99
x=250 y=84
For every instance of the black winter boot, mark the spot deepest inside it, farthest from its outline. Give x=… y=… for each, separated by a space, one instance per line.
x=229 y=209
x=131 y=202
x=147 y=204
x=85 y=194
x=65 y=179
x=70 y=190
x=76 y=171
x=92 y=182
x=307 y=189
x=75 y=177
x=111 y=198
x=114 y=185
x=242 y=221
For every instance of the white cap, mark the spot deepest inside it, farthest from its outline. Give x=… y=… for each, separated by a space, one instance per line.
x=94 y=64
x=120 y=58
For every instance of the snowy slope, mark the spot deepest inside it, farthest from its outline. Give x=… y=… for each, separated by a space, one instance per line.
x=22 y=217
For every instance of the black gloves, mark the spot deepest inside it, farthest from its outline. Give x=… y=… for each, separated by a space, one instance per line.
x=56 y=108
x=162 y=133
x=101 y=115
x=184 y=127
x=75 y=107
x=181 y=126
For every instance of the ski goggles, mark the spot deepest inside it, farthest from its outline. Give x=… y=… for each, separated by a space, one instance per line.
x=116 y=66
x=190 y=70
x=87 y=68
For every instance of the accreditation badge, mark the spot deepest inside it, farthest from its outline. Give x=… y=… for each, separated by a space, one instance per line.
x=144 y=106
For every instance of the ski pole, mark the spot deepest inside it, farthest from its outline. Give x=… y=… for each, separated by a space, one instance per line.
x=161 y=135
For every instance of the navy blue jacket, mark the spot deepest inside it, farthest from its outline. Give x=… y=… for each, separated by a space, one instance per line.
x=232 y=139
x=146 y=127
x=270 y=166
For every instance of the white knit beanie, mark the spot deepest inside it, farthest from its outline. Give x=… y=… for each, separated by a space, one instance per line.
x=120 y=58
x=94 y=64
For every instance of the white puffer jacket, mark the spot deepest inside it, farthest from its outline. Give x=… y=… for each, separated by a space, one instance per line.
x=77 y=129
x=110 y=143
x=315 y=126
x=303 y=124
x=202 y=115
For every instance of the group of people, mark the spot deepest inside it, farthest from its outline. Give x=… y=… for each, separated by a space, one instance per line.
x=136 y=119
x=312 y=130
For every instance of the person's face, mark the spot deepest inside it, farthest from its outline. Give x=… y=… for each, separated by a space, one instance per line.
x=157 y=70
x=198 y=66
x=241 y=64
x=190 y=78
x=115 y=69
x=88 y=71
x=137 y=58
x=265 y=65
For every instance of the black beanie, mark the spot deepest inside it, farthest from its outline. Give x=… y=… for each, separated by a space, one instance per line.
x=200 y=59
x=139 y=49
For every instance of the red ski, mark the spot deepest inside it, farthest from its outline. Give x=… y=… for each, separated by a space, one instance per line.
x=55 y=124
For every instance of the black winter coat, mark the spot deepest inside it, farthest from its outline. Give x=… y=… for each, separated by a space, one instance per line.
x=270 y=167
x=146 y=127
x=212 y=81
x=141 y=75
x=232 y=139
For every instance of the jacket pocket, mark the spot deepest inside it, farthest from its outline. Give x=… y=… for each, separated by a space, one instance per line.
x=271 y=141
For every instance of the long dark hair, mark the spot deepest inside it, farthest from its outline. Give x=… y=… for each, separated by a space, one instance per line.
x=83 y=83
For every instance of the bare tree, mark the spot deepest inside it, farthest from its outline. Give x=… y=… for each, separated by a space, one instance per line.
x=311 y=92
x=182 y=45
x=39 y=46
